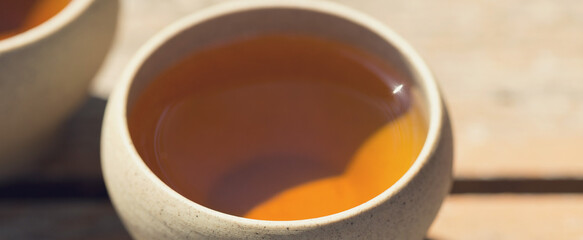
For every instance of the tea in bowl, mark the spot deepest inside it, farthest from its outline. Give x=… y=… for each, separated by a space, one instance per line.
x=283 y=120
x=49 y=52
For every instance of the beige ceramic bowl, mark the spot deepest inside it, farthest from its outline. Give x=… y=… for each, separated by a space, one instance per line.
x=152 y=210
x=44 y=75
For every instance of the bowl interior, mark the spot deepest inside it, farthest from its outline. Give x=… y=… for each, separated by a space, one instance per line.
x=201 y=31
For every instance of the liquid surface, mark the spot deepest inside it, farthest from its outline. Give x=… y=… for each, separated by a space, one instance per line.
x=17 y=16
x=278 y=127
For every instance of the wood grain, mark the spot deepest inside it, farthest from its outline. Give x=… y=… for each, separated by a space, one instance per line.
x=508 y=216
x=480 y=217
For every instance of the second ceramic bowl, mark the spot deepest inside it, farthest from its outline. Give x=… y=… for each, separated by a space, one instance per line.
x=44 y=77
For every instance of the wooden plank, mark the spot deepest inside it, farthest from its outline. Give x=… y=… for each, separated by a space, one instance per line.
x=510 y=71
x=461 y=217
x=510 y=217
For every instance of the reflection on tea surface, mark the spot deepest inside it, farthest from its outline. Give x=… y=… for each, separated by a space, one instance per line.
x=278 y=127
x=17 y=16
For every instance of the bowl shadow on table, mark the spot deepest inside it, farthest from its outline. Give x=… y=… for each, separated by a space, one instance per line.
x=64 y=196
x=72 y=168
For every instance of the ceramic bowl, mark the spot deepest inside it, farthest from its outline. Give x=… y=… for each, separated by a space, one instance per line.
x=150 y=209
x=44 y=76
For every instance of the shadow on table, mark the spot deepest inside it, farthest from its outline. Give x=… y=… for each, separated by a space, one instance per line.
x=72 y=169
x=65 y=197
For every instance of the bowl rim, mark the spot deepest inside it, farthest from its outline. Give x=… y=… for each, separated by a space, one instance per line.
x=421 y=75
x=51 y=26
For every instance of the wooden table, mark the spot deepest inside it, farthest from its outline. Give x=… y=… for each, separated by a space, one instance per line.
x=511 y=72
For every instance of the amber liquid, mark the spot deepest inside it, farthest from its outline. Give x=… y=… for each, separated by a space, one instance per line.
x=17 y=16
x=278 y=127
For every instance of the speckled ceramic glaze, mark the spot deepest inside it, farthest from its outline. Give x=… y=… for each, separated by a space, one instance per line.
x=44 y=76
x=152 y=210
